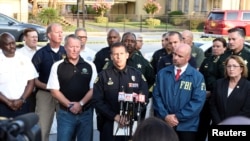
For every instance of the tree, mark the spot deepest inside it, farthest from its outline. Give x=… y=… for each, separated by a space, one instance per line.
x=101 y=7
x=151 y=7
x=34 y=8
x=48 y=16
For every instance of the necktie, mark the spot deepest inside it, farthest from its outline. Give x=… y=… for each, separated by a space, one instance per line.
x=178 y=74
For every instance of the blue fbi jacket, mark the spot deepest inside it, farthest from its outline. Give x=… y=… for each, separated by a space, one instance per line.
x=184 y=97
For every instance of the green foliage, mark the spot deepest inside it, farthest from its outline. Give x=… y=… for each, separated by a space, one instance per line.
x=101 y=19
x=73 y=9
x=90 y=9
x=121 y=19
x=153 y=22
x=69 y=28
x=177 y=20
x=196 y=23
x=48 y=16
x=33 y=19
x=151 y=8
x=173 y=13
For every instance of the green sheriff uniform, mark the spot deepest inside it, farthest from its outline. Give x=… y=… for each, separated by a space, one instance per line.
x=245 y=54
x=198 y=55
x=208 y=69
x=141 y=64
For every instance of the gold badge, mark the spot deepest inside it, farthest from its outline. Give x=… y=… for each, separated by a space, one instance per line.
x=110 y=82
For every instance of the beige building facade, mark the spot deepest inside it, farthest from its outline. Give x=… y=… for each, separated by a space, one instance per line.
x=19 y=8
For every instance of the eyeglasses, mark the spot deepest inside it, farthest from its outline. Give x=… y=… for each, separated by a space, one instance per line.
x=81 y=37
x=232 y=66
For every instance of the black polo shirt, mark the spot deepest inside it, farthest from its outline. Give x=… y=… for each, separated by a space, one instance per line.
x=74 y=80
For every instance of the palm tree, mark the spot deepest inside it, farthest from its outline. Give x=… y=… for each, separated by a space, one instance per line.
x=34 y=8
x=48 y=16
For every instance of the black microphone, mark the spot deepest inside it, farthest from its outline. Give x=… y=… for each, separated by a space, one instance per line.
x=128 y=100
x=141 y=100
x=121 y=98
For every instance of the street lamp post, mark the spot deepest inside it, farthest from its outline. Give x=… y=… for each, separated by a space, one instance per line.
x=83 y=14
x=77 y=13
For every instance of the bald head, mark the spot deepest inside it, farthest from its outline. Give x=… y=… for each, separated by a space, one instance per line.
x=181 y=55
x=7 y=44
x=187 y=36
x=113 y=36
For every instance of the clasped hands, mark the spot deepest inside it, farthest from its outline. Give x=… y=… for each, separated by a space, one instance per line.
x=76 y=108
x=171 y=120
x=15 y=104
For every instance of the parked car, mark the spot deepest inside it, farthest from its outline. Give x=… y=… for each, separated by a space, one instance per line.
x=220 y=21
x=16 y=28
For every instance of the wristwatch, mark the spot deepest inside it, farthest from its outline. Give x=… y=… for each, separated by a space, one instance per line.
x=81 y=103
x=23 y=100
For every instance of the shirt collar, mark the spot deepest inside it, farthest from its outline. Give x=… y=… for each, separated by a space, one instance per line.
x=121 y=71
x=183 y=68
x=28 y=48
x=66 y=60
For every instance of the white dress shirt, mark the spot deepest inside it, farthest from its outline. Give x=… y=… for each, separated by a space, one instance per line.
x=88 y=54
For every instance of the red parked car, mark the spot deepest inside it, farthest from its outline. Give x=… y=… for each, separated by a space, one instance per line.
x=220 y=21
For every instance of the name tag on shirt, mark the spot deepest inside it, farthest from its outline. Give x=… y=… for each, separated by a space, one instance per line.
x=133 y=85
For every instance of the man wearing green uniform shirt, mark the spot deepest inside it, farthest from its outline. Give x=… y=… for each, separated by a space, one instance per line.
x=236 y=39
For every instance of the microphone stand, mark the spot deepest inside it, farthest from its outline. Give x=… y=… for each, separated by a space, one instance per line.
x=139 y=113
x=131 y=119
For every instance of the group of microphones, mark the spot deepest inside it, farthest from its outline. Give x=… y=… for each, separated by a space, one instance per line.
x=131 y=104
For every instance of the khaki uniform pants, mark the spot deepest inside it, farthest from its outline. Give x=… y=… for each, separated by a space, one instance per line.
x=46 y=106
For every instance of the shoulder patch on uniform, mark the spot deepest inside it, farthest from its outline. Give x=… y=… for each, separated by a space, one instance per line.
x=97 y=79
x=142 y=76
